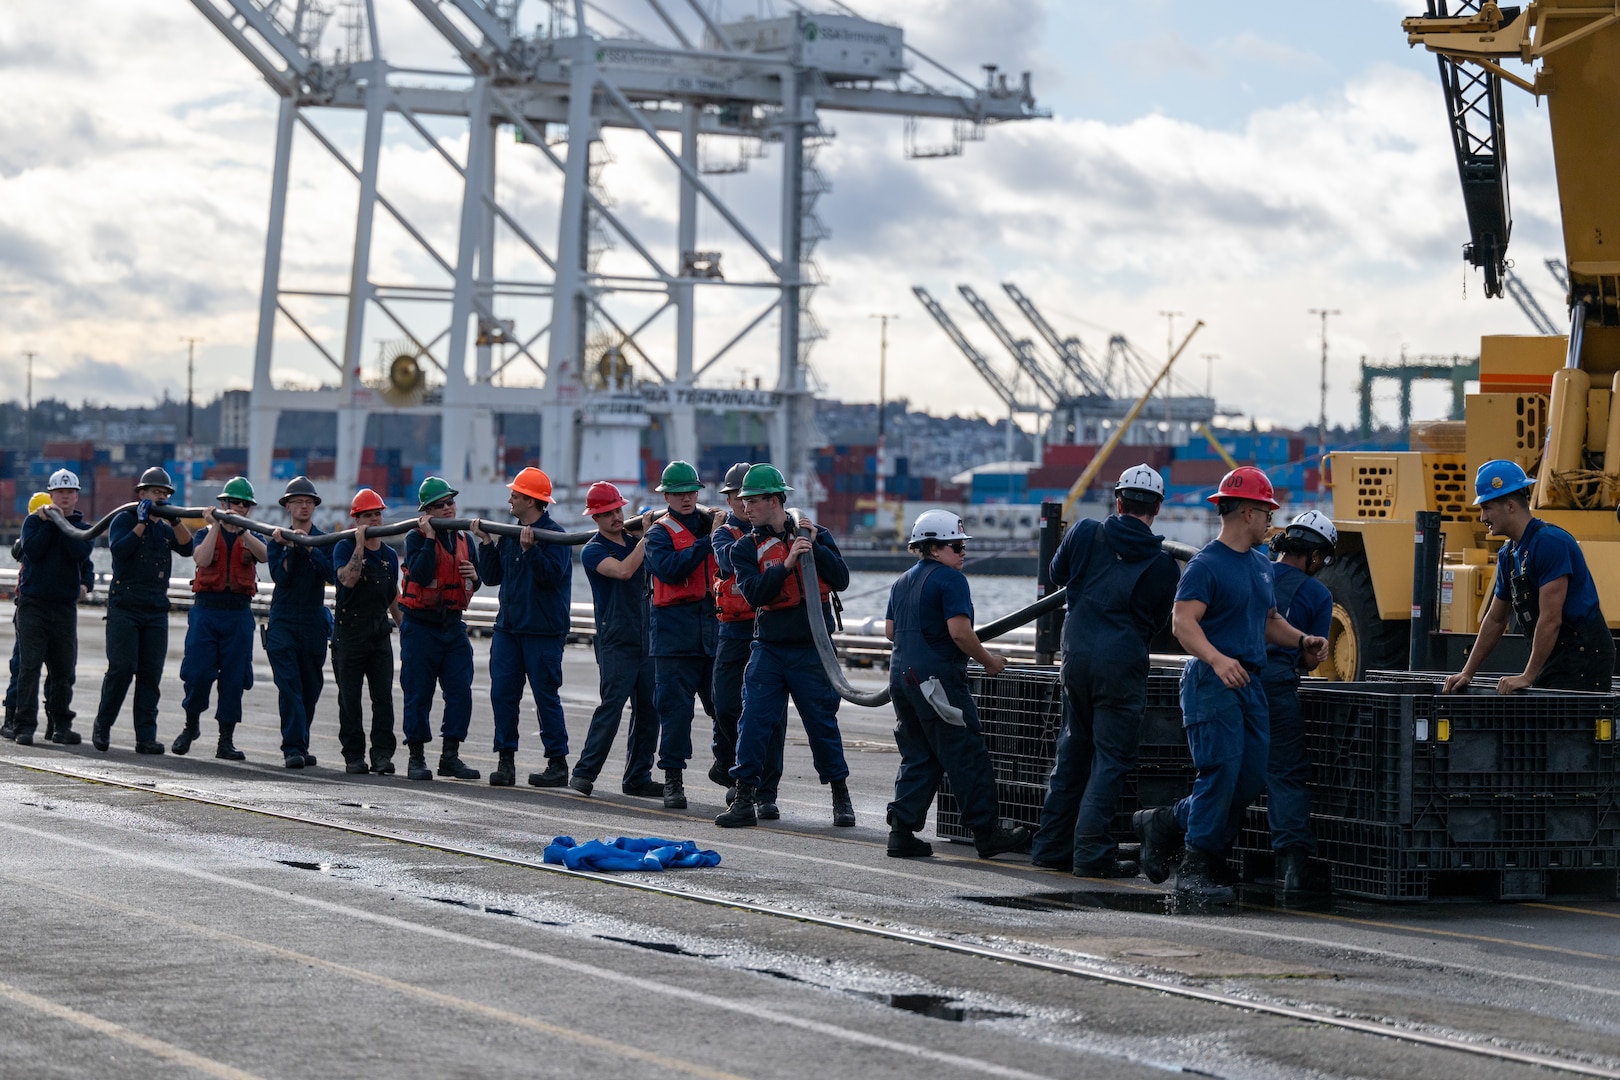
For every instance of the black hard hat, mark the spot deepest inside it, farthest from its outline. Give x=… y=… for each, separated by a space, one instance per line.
x=157 y=476
x=300 y=485
x=734 y=478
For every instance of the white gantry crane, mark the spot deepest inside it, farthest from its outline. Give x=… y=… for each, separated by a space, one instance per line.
x=676 y=75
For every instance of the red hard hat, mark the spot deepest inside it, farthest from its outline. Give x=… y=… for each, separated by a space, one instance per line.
x=601 y=498
x=533 y=483
x=1246 y=482
x=365 y=500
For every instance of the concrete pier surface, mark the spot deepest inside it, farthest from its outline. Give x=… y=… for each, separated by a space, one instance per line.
x=188 y=916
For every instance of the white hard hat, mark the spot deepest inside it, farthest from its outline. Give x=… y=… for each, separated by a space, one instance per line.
x=1141 y=478
x=1319 y=523
x=937 y=525
x=63 y=479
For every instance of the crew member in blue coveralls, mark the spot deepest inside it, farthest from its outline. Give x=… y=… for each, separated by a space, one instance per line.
x=1120 y=586
x=731 y=656
x=219 y=627
x=784 y=660
x=1225 y=617
x=531 y=628
x=50 y=584
x=930 y=621
x=300 y=625
x=680 y=557
x=613 y=566
x=1541 y=577
x=440 y=579
x=1302 y=550
x=143 y=547
x=8 y=729
x=366 y=612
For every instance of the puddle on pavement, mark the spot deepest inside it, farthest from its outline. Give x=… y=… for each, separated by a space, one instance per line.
x=361 y=805
x=773 y=973
x=937 y=1007
x=657 y=946
x=1143 y=903
x=318 y=867
x=487 y=910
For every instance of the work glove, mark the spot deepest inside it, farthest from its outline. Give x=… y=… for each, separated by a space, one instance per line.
x=143 y=511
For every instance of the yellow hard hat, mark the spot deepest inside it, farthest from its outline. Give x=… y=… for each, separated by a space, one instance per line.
x=41 y=498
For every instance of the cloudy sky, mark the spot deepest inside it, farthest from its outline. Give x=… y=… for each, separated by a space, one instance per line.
x=1240 y=164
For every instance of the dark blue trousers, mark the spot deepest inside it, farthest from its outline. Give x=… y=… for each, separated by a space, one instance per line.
x=1103 y=702
x=932 y=748
x=623 y=675
x=48 y=631
x=219 y=647
x=730 y=664
x=677 y=680
x=776 y=672
x=514 y=658
x=1288 y=800
x=297 y=655
x=1229 y=734
x=137 y=644
x=432 y=655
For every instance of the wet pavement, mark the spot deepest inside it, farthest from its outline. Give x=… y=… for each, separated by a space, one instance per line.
x=155 y=935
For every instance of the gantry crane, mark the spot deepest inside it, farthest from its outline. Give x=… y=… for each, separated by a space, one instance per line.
x=980 y=364
x=1022 y=349
x=1070 y=349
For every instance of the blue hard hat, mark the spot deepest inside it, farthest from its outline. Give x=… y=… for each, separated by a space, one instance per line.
x=1498 y=478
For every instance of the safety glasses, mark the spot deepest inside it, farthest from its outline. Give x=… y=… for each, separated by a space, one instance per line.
x=442 y=504
x=957 y=546
x=237 y=502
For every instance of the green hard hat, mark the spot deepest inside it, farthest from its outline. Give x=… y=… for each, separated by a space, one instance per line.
x=763 y=479
x=237 y=487
x=432 y=490
x=679 y=476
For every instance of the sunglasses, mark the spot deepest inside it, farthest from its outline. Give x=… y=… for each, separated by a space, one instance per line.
x=1268 y=514
x=957 y=546
x=236 y=502
x=442 y=504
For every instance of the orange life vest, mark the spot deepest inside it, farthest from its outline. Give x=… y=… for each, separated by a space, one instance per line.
x=728 y=598
x=696 y=584
x=449 y=589
x=236 y=572
x=774 y=552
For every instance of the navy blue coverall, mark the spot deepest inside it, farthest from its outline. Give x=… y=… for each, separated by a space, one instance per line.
x=682 y=639
x=363 y=652
x=932 y=745
x=138 y=619
x=530 y=632
x=219 y=643
x=624 y=670
x=731 y=654
x=295 y=641
x=1120 y=589
x=784 y=661
x=433 y=648
x=1308 y=606
x=54 y=569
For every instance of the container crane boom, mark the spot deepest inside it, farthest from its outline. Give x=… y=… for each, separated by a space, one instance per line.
x=1023 y=351
x=1070 y=350
x=975 y=357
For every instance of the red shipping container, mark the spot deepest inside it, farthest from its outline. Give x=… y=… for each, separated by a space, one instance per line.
x=1198 y=472
x=1077 y=454
x=69 y=451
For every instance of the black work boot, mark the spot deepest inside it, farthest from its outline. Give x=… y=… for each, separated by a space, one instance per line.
x=995 y=840
x=182 y=741
x=227 y=746
x=556 y=774
x=675 y=791
x=100 y=734
x=1110 y=866
x=450 y=763
x=1161 y=840
x=740 y=813
x=505 y=773
x=357 y=767
x=292 y=759
x=64 y=735
x=843 y=805
x=903 y=844
x=25 y=736
x=720 y=773
x=417 y=769
x=382 y=766
x=1294 y=870
x=585 y=787
x=50 y=729
x=765 y=807
x=643 y=789
x=1195 y=883
x=8 y=730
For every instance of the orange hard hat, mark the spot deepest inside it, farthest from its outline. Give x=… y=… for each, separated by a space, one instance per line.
x=603 y=497
x=1246 y=482
x=365 y=501
x=533 y=483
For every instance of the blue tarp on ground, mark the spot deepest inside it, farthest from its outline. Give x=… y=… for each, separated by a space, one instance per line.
x=628 y=853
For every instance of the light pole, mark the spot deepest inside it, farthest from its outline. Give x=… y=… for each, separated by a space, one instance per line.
x=191 y=368
x=1321 y=423
x=1169 y=351
x=883 y=394
x=28 y=410
x=1209 y=373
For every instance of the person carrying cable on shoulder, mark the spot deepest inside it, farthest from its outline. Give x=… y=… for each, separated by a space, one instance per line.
x=50 y=584
x=783 y=659
x=613 y=561
x=219 y=627
x=680 y=558
x=295 y=641
x=1302 y=549
x=1120 y=586
x=440 y=579
x=531 y=628
x=364 y=618
x=143 y=547
x=930 y=621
